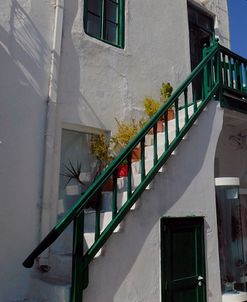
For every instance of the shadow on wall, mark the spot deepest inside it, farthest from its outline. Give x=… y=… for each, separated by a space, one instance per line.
x=75 y=108
x=24 y=76
x=135 y=251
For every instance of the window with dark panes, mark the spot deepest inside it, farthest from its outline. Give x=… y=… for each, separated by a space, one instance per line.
x=104 y=20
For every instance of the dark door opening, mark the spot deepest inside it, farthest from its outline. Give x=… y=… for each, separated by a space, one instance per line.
x=201 y=30
x=183 y=260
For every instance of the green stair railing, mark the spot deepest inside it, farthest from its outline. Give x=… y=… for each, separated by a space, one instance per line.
x=214 y=74
x=234 y=79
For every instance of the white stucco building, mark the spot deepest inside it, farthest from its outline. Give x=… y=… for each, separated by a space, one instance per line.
x=68 y=69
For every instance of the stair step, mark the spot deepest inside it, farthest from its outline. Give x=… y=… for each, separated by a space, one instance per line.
x=50 y=290
x=88 y=242
x=105 y=219
x=60 y=268
x=107 y=201
x=136 y=179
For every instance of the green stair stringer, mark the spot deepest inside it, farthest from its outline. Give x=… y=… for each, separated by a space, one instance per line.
x=212 y=74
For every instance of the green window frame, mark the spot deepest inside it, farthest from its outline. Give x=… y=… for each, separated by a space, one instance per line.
x=104 y=20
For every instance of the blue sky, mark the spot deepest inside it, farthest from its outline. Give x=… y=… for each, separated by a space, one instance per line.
x=238 y=26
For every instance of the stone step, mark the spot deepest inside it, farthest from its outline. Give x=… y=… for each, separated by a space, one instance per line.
x=105 y=218
x=107 y=201
x=49 y=290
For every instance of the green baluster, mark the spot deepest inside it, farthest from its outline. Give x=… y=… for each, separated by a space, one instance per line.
x=211 y=73
x=236 y=73
x=186 y=104
x=195 y=98
x=230 y=71
x=240 y=76
x=166 y=133
x=155 y=144
x=129 y=181
x=225 y=81
x=79 y=277
x=177 y=117
x=205 y=77
x=143 y=170
x=219 y=76
x=98 y=197
x=245 y=73
x=114 y=194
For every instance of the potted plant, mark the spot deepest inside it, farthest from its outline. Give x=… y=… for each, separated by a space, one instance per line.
x=165 y=92
x=151 y=106
x=126 y=131
x=73 y=172
x=100 y=148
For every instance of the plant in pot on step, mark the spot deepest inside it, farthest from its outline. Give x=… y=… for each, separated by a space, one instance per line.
x=126 y=131
x=151 y=106
x=73 y=172
x=101 y=148
x=165 y=92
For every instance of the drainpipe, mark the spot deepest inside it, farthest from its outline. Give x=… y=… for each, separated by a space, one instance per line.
x=50 y=135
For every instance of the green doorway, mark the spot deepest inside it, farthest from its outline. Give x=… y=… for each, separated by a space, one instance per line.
x=183 y=260
x=201 y=32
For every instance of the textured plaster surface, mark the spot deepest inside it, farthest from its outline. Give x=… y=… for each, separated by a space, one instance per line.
x=25 y=39
x=231 y=149
x=130 y=269
x=97 y=82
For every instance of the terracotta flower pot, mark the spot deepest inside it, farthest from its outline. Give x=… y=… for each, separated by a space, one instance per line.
x=170 y=114
x=108 y=185
x=136 y=154
x=160 y=127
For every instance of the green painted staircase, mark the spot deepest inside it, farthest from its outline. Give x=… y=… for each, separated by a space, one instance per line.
x=223 y=76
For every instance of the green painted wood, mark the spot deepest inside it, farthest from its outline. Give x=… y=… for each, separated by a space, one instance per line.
x=225 y=82
x=143 y=169
x=119 y=22
x=245 y=76
x=205 y=75
x=211 y=74
x=114 y=195
x=129 y=180
x=155 y=142
x=186 y=104
x=78 y=274
x=241 y=76
x=195 y=99
x=97 y=221
x=166 y=133
x=230 y=71
x=177 y=117
x=183 y=260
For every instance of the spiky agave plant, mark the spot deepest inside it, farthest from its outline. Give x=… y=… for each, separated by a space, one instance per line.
x=73 y=172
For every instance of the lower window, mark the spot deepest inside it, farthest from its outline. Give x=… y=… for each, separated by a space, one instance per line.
x=78 y=168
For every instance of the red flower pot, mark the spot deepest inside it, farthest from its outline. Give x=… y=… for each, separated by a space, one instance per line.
x=122 y=170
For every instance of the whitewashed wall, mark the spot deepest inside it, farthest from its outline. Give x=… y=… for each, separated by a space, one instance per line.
x=130 y=268
x=97 y=82
x=25 y=41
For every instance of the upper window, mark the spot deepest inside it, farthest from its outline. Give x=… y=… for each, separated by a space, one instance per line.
x=104 y=20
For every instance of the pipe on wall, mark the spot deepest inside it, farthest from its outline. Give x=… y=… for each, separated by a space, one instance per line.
x=50 y=135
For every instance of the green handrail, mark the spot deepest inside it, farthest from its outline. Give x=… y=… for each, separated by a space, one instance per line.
x=210 y=70
x=234 y=72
